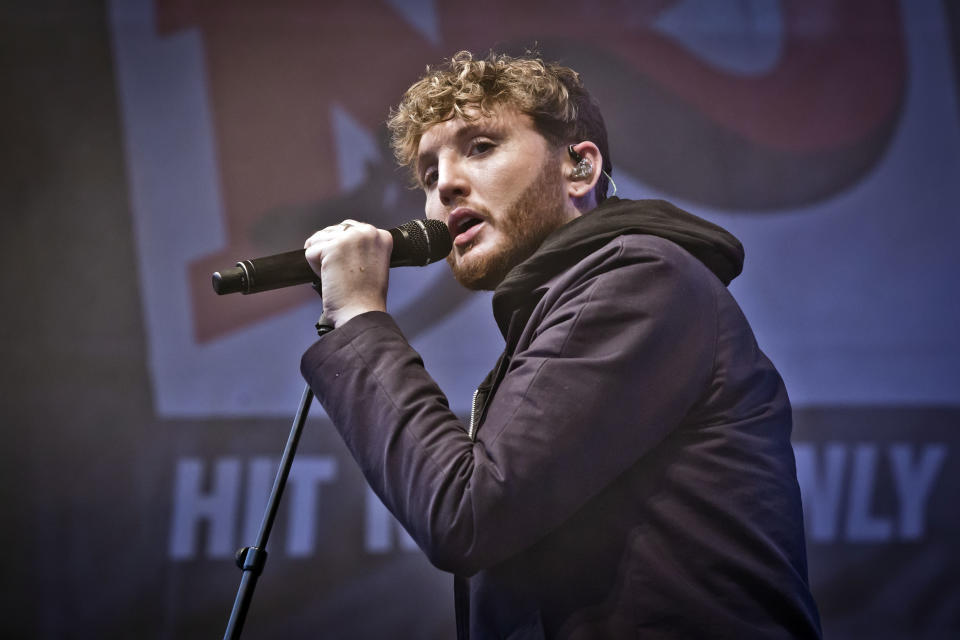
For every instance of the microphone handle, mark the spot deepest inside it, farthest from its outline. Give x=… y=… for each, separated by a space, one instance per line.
x=274 y=272
x=264 y=274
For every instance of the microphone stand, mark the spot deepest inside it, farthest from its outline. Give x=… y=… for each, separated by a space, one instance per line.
x=251 y=560
x=420 y=242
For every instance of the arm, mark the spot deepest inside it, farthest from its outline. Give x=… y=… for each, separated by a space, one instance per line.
x=617 y=360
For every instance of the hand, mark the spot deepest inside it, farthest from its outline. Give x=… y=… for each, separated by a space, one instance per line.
x=353 y=261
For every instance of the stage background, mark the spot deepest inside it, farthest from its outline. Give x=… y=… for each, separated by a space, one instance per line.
x=147 y=143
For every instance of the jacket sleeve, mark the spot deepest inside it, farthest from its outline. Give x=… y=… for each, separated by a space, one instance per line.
x=620 y=353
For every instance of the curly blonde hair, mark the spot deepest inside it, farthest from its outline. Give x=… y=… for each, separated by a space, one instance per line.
x=562 y=110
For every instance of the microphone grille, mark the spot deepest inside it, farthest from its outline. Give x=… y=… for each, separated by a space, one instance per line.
x=420 y=242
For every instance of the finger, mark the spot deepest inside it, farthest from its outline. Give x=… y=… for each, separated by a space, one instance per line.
x=327 y=232
x=314 y=247
x=319 y=236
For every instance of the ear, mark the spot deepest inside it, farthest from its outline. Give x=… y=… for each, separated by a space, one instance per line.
x=583 y=168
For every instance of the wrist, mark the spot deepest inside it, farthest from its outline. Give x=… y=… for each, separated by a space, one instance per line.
x=343 y=315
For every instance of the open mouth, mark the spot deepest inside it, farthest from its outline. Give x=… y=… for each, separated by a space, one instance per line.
x=467 y=223
x=462 y=223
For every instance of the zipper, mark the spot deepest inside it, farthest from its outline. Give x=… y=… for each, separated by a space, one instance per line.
x=472 y=430
x=478 y=405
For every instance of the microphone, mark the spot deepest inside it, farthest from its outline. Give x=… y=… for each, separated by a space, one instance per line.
x=415 y=243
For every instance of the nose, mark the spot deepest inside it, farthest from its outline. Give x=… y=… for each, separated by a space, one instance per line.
x=452 y=182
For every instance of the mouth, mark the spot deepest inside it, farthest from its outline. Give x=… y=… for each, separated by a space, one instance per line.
x=464 y=225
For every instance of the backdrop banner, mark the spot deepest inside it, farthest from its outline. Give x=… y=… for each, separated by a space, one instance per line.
x=182 y=136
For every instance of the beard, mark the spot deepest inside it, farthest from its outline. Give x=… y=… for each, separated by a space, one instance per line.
x=535 y=214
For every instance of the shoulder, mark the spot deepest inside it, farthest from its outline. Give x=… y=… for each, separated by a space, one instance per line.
x=637 y=262
x=633 y=280
x=645 y=247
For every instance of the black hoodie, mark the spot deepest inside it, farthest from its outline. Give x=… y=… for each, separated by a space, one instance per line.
x=515 y=297
x=632 y=475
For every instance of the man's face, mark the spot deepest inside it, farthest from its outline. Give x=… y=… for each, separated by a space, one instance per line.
x=498 y=185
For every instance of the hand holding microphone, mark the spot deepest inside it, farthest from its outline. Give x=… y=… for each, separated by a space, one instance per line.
x=351 y=257
x=353 y=261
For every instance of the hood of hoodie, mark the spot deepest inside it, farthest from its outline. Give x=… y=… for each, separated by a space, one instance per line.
x=715 y=247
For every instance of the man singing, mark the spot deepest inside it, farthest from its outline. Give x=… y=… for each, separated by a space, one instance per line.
x=626 y=471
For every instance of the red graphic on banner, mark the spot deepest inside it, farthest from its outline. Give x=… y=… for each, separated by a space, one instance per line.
x=807 y=127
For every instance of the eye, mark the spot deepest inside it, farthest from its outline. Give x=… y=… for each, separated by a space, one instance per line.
x=480 y=146
x=429 y=177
